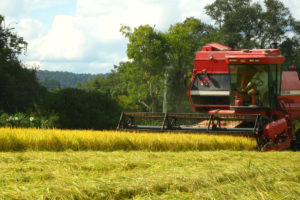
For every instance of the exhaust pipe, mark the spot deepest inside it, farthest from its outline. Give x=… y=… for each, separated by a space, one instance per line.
x=274 y=45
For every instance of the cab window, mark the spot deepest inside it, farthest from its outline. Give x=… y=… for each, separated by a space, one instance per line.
x=254 y=85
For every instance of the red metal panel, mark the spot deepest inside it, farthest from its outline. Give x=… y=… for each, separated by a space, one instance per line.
x=282 y=146
x=291 y=104
x=217 y=47
x=290 y=93
x=211 y=61
x=290 y=81
x=275 y=128
x=263 y=59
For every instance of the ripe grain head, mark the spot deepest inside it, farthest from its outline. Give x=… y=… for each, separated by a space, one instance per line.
x=16 y=139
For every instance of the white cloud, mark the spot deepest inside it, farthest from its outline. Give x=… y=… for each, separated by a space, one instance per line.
x=32 y=64
x=99 y=8
x=76 y=38
x=294 y=7
x=11 y=7
x=64 y=41
x=192 y=8
x=88 y=40
x=111 y=14
x=17 y=8
x=88 y=34
x=30 y=28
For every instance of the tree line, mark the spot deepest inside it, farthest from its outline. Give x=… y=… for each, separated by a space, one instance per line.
x=54 y=80
x=152 y=79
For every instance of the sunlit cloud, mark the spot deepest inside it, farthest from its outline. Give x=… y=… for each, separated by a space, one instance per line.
x=83 y=35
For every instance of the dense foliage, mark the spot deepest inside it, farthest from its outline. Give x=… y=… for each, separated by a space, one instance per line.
x=84 y=109
x=28 y=120
x=19 y=89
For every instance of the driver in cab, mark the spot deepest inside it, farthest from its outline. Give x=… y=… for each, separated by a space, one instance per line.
x=258 y=85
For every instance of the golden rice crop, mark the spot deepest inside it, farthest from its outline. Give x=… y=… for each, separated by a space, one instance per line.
x=18 y=139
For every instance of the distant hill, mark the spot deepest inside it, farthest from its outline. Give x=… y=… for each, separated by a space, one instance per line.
x=57 y=79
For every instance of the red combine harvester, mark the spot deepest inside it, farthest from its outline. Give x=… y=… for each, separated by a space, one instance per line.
x=242 y=92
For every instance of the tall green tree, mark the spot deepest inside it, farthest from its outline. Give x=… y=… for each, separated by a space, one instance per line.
x=239 y=21
x=19 y=89
x=147 y=50
x=219 y=9
x=242 y=27
x=245 y=24
x=11 y=45
x=184 y=39
x=123 y=85
x=277 y=22
x=290 y=49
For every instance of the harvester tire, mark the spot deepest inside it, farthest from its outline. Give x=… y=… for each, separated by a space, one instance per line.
x=295 y=144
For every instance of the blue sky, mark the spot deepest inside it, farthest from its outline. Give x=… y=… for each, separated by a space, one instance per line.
x=82 y=36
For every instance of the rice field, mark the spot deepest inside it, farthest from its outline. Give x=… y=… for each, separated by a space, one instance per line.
x=85 y=164
x=17 y=139
x=208 y=175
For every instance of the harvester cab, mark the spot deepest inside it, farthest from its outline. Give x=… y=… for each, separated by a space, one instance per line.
x=238 y=79
x=255 y=79
x=241 y=92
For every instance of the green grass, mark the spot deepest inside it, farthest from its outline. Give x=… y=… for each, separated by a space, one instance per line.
x=150 y=175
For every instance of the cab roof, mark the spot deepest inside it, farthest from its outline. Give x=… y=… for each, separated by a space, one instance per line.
x=255 y=56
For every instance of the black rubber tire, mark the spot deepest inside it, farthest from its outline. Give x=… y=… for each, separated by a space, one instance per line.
x=295 y=144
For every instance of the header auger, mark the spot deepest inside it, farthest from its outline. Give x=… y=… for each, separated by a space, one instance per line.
x=236 y=92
